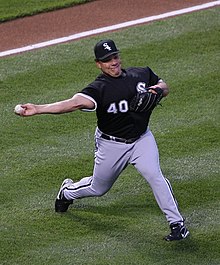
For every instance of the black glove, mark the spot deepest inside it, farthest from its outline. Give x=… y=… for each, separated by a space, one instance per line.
x=146 y=101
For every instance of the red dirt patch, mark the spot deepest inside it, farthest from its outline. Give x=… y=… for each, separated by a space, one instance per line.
x=69 y=21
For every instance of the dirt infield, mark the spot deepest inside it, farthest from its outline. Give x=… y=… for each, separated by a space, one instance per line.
x=69 y=21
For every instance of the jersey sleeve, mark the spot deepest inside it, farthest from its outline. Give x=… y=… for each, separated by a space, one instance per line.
x=153 y=78
x=91 y=92
x=91 y=99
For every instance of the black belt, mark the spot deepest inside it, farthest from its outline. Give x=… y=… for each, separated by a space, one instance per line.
x=120 y=140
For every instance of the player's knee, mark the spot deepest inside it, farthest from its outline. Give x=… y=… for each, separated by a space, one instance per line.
x=100 y=193
x=152 y=176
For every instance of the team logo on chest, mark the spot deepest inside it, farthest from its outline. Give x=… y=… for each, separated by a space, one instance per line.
x=141 y=87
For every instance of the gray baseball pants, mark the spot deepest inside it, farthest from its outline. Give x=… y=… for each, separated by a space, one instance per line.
x=111 y=158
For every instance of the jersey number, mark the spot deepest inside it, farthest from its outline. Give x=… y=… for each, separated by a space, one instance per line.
x=121 y=107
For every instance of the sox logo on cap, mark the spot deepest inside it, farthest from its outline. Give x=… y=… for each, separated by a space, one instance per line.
x=106 y=46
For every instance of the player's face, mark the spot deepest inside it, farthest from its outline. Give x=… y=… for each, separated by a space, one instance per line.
x=112 y=66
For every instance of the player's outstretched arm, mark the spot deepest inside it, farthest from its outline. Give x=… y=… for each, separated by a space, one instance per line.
x=68 y=105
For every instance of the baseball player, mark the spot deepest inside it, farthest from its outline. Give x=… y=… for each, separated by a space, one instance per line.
x=123 y=100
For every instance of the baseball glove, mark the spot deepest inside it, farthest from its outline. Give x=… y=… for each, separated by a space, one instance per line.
x=146 y=101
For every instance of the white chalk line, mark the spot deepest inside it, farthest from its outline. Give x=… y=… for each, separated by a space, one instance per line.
x=109 y=28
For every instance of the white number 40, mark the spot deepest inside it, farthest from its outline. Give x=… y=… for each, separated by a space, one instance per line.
x=122 y=107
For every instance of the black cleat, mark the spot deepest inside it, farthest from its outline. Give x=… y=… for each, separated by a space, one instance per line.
x=178 y=232
x=61 y=203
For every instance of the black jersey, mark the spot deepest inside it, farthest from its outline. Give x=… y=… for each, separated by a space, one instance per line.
x=113 y=96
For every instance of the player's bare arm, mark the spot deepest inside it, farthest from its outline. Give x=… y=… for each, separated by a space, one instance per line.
x=68 y=105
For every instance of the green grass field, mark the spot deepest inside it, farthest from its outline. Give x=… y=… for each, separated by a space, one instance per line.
x=20 y=8
x=125 y=226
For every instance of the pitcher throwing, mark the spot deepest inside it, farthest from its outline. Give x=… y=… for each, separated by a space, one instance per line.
x=123 y=100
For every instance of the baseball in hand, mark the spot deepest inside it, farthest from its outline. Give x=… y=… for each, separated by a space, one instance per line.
x=18 y=109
